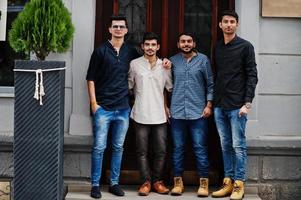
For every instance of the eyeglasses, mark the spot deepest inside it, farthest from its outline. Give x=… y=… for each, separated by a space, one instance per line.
x=118 y=26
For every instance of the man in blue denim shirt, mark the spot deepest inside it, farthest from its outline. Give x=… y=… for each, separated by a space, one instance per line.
x=190 y=107
x=107 y=79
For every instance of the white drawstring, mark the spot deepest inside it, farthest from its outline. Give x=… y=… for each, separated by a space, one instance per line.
x=39 y=87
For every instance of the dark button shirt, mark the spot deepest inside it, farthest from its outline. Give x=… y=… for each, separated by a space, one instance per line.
x=109 y=71
x=193 y=86
x=236 y=73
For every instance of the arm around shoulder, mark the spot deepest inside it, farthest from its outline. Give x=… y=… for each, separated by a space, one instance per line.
x=131 y=75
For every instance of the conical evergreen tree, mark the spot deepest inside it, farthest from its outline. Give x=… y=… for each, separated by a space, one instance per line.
x=43 y=26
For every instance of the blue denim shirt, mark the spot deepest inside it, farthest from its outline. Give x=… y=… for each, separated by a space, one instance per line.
x=193 y=86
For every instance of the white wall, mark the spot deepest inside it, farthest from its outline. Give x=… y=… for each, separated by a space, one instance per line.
x=280 y=88
x=83 y=46
x=77 y=118
x=276 y=107
x=249 y=19
x=3 y=9
x=278 y=47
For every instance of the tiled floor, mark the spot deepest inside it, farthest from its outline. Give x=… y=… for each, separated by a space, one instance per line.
x=131 y=194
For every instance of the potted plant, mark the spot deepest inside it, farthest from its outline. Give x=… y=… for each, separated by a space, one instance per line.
x=43 y=26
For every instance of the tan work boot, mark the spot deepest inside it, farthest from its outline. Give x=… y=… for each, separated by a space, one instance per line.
x=203 y=189
x=225 y=190
x=178 y=188
x=238 y=191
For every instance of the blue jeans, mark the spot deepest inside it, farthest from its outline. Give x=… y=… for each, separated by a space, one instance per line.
x=231 y=129
x=119 y=122
x=198 y=130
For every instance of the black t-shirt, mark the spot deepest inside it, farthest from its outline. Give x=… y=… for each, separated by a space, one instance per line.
x=236 y=73
x=109 y=72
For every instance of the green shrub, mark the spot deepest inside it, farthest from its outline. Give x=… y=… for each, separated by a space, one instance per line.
x=43 y=26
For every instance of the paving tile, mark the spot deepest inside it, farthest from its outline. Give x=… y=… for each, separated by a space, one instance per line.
x=131 y=194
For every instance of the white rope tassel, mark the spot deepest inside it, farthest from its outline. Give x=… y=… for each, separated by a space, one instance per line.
x=39 y=87
x=36 y=93
x=42 y=92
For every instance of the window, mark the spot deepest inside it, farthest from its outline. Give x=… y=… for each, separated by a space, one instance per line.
x=7 y=54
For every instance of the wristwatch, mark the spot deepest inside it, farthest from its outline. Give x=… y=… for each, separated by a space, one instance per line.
x=248 y=105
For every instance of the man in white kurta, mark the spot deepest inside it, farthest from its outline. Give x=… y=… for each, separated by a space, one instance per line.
x=148 y=79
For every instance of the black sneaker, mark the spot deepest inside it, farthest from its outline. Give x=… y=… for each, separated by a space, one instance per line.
x=95 y=192
x=116 y=190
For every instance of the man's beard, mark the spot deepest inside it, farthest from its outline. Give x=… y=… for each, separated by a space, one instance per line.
x=229 y=31
x=187 y=52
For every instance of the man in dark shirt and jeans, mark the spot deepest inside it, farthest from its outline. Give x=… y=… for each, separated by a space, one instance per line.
x=107 y=79
x=236 y=79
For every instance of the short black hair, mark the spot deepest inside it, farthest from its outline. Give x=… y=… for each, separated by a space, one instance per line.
x=150 y=36
x=189 y=34
x=118 y=18
x=229 y=13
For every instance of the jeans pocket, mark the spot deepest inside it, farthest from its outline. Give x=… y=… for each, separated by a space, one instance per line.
x=97 y=110
x=245 y=117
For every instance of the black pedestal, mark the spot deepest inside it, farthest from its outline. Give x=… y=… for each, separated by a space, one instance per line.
x=39 y=133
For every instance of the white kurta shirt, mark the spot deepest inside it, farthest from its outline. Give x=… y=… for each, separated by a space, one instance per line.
x=148 y=84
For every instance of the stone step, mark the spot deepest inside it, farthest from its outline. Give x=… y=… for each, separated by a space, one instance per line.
x=82 y=192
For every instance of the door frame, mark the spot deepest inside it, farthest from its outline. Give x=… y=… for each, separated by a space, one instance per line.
x=161 y=23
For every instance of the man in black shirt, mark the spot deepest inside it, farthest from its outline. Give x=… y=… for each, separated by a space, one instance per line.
x=236 y=79
x=107 y=79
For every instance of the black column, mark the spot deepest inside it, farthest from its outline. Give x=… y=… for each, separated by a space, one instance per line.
x=39 y=133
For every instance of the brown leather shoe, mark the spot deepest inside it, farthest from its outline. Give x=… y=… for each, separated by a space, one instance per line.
x=160 y=188
x=144 y=189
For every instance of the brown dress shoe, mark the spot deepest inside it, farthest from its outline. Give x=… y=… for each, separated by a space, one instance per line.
x=160 y=188
x=144 y=189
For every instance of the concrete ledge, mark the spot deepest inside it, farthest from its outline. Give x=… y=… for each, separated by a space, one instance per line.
x=275 y=145
x=7 y=92
x=275 y=141
x=6 y=143
x=81 y=191
x=77 y=143
x=264 y=145
x=71 y=143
